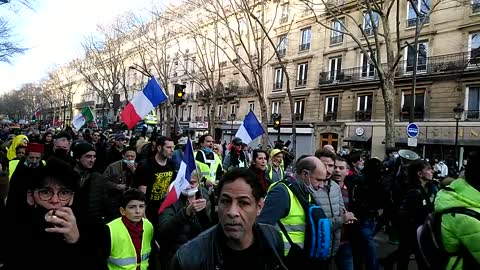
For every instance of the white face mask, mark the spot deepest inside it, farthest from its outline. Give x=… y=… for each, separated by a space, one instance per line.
x=190 y=192
x=128 y=162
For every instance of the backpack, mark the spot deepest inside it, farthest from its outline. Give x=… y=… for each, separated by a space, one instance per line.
x=317 y=242
x=430 y=243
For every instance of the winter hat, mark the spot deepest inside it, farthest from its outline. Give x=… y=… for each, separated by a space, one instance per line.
x=81 y=148
x=35 y=147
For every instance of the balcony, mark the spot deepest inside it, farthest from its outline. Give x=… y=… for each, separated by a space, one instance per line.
x=369 y=31
x=304 y=47
x=301 y=83
x=282 y=52
x=298 y=116
x=330 y=116
x=418 y=113
x=336 y=39
x=435 y=65
x=277 y=86
x=201 y=118
x=284 y=19
x=472 y=114
x=363 y=116
x=411 y=22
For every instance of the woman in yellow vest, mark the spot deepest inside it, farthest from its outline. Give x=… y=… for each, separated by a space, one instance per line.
x=130 y=236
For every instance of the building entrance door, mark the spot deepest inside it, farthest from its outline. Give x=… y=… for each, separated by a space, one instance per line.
x=329 y=138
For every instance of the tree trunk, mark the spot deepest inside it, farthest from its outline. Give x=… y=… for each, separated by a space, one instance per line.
x=388 y=91
x=168 y=131
x=264 y=118
x=211 y=118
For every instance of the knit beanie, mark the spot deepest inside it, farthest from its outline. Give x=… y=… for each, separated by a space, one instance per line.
x=81 y=148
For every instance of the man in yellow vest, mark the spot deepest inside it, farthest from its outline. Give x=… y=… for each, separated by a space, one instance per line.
x=283 y=206
x=275 y=170
x=208 y=163
x=130 y=236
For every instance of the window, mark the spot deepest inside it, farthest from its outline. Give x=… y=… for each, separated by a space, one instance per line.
x=284 y=17
x=423 y=7
x=189 y=113
x=306 y=35
x=335 y=68
x=473 y=102
x=278 y=79
x=474 y=48
x=186 y=62
x=422 y=57
x=302 y=71
x=364 y=108
x=336 y=34
x=193 y=64
x=275 y=107
x=299 y=109
x=219 y=111
x=233 y=109
x=475 y=6
x=368 y=69
x=370 y=22
x=251 y=105
x=331 y=107
x=282 y=45
x=418 y=109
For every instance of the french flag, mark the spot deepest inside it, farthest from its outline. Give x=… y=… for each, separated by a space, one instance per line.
x=142 y=103
x=182 y=180
x=250 y=129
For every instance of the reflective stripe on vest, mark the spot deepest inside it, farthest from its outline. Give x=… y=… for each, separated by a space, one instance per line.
x=122 y=253
x=12 y=165
x=270 y=172
x=209 y=168
x=294 y=222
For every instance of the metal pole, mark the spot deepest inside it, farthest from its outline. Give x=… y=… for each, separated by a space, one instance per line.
x=231 y=128
x=414 y=73
x=278 y=134
x=456 y=143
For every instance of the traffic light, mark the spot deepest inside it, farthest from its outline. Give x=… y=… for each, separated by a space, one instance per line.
x=179 y=97
x=277 y=121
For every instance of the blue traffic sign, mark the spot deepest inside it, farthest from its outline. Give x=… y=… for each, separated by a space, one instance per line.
x=412 y=130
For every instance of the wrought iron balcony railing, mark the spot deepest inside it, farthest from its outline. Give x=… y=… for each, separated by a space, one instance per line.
x=472 y=114
x=304 y=47
x=330 y=116
x=418 y=114
x=336 y=39
x=411 y=22
x=475 y=6
x=362 y=116
x=449 y=63
x=301 y=83
x=277 y=86
x=282 y=52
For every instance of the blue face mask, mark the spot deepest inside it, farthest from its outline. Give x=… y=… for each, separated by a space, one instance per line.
x=207 y=150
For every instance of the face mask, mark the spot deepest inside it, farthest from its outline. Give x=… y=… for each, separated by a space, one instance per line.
x=207 y=150
x=396 y=155
x=359 y=167
x=129 y=162
x=190 y=192
x=60 y=152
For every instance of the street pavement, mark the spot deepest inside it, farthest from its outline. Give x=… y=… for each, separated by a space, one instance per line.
x=384 y=247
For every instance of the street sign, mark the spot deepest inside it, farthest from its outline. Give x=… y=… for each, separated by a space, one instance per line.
x=412 y=130
x=412 y=141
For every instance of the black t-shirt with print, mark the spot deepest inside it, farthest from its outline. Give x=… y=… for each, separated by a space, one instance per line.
x=156 y=178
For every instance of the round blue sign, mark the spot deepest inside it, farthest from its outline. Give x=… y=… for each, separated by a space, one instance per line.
x=412 y=130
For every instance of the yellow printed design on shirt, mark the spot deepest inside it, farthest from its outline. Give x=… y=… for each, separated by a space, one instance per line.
x=160 y=186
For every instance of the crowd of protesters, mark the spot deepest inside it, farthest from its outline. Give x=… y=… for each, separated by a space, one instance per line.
x=91 y=199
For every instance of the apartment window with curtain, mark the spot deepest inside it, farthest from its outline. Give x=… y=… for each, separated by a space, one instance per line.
x=305 y=37
x=282 y=45
x=302 y=74
x=422 y=57
x=335 y=68
x=331 y=108
x=275 y=107
x=473 y=102
x=370 y=22
x=336 y=36
x=299 y=109
x=474 y=48
x=278 y=85
x=364 y=107
x=419 y=106
x=368 y=69
x=423 y=6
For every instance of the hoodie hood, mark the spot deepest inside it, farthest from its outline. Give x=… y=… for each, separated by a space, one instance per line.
x=463 y=195
x=12 y=150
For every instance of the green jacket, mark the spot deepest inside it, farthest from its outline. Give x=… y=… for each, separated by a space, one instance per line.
x=459 y=230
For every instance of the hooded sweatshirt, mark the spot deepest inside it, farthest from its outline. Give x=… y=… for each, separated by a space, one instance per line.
x=459 y=230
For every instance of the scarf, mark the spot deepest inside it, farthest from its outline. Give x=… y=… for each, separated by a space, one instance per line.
x=135 y=231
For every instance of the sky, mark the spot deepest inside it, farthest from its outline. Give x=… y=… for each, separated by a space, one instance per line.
x=53 y=32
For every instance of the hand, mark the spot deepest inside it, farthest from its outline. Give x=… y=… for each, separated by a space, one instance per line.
x=121 y=186
x=132 y=167
x=64 y=222
x=196 y=206
x=349 y=217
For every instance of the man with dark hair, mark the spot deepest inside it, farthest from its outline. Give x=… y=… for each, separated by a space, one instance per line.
x=329 y=197
x=153 y=176
x=237 y=242
x=284 y=205
x=460 y=232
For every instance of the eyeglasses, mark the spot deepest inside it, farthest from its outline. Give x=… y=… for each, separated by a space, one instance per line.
x=46 y=194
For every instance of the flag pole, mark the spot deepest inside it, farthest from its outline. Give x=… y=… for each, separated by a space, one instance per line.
x=264 y=131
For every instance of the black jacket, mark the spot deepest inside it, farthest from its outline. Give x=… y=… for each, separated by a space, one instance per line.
x=207 y=250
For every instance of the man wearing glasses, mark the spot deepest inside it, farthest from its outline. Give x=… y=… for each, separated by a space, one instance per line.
x=47 y=231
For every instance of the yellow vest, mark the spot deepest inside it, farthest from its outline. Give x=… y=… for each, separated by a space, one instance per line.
x=294 y=222
x=270 y=172
x=122 y=252
x=12 y=165
x=208 y=169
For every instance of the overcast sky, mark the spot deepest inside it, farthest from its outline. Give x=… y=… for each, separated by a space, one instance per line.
x=54 y=31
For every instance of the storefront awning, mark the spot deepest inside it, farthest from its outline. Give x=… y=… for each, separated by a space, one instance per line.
x=461 y=142
x=356 y=138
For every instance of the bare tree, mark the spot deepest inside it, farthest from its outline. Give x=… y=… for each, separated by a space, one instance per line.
x=65 y=86
x=380 y=42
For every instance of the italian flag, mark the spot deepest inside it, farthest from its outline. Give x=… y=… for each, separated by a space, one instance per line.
x=84 y=117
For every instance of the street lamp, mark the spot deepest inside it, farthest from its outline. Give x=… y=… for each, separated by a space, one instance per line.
x=458 y=112
x=232 y=117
